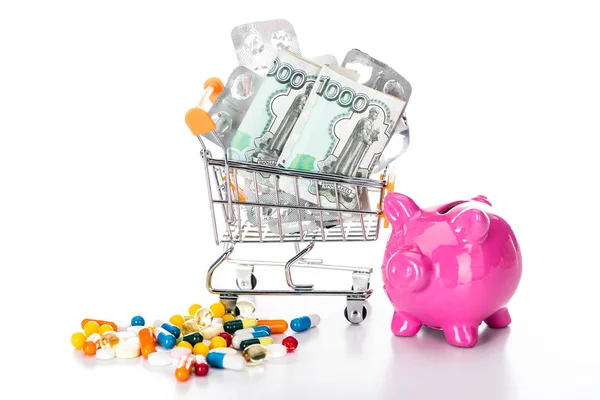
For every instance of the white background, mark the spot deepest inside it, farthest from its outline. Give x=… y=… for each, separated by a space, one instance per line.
x=104 y=213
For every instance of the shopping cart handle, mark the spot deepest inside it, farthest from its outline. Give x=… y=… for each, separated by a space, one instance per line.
x=199 y=121
x=389 y=188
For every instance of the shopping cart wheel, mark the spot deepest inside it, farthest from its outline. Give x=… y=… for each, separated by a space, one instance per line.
x=243 y=284
x=355 y=316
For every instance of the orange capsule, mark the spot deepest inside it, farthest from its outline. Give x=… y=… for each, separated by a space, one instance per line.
x=91 y=344
x=276 y=325
x=184 y=367
x=85 y=321
x=146 y=342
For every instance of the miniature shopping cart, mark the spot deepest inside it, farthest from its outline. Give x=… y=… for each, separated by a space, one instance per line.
x=238 y=208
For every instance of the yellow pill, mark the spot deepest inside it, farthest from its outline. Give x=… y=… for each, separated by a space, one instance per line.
x=217 y=342
x=78 y=339
x=201 y=349
x=228 y=317
x=193 y=308
x=105 y=328
x=185 y=344
x=218 y=310
x=177 y=320
x=90 y=328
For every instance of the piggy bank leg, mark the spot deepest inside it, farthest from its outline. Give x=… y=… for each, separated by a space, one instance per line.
x=499 y=319
x=404 y=324
x=461 y=335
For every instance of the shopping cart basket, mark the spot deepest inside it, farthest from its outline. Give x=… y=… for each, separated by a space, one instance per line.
x=238 y=207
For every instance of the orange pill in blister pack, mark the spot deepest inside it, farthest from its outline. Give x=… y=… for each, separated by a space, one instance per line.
x=100 y=322
x=146 y=342
x=184 y=367
x=276 y=325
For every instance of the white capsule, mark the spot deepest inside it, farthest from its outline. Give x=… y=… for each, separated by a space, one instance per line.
x=211 y=331
x=224 y=350
x=276 y=350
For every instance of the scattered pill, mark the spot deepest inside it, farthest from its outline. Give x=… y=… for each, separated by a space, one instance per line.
x=193 y=338
x=193 y=308
x=291 y=343
x=99 y=322
x=91 y=344
x=217 y=341
x=227 y=317
x=189 y=326
x=249 y=342
x=184 y=367
x=185 y=344
x=178 y=352
x=164 y=338
x=226 y=361
x=276 y=325
x=254 y=329
x=200 y=349
x=105 y=328
x=254 y=354
x=237 y=339
x=146 y=338
x=203 y=317
x=160 y=359
x=127 y=350
x=276 y=350
x=227 y=338
x=90 y=328
x=301 y=324
x=201 y=366
x=135 y=329
x=78 y=339
x=224 y=350
x=172 y=329
x=237 y=324
x=218 y=310
x=217 y=321
x=105 y=354
x=109 y=340
x=211 y=331
x=177 y=320
x=138 y=320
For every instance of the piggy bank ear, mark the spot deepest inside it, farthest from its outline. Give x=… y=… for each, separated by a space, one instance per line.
x=399 y=208
x=471 y=225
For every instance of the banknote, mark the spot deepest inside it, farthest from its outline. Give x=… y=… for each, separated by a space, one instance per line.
x=265 y=129
x=343 y=130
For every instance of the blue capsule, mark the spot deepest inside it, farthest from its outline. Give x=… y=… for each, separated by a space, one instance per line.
x=226 y=361
x=138 y=320
x=164 y=338
x=304 y=323
x=172 y=329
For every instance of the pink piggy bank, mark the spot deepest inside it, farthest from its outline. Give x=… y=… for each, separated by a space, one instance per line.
x=449 y=267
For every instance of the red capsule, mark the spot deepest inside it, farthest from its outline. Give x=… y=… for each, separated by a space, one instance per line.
x=291 y=343
x=227 y=338
x=200 y=366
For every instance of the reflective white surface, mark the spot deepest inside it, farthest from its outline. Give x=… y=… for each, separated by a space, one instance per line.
x=103 y=211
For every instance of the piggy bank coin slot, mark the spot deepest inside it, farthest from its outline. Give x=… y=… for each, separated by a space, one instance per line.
x=446 y=208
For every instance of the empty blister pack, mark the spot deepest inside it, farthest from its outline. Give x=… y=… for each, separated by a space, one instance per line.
x=231 y=106
x=258 y=43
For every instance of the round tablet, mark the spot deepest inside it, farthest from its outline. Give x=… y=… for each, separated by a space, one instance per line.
x=276 y=350
x=159 y=359
x=125 y=335
x=179 y=352
x=105 y=354
x=126 y=350
x=134 y=341
x=135 y=329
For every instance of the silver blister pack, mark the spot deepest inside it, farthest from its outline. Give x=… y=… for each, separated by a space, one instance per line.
x=231 y=106
x=258 y=43
x=380 y=76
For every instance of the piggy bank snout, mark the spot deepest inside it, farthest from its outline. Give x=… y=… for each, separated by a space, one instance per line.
x=407 y=270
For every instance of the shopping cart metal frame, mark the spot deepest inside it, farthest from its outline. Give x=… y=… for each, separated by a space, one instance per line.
x=224 y=196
